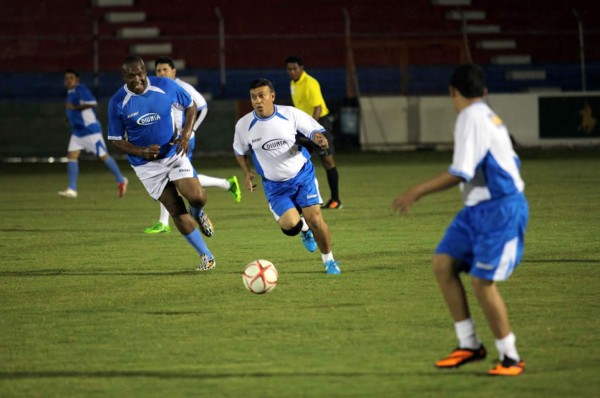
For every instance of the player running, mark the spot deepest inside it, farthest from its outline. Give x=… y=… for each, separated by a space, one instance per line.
x=268 y=134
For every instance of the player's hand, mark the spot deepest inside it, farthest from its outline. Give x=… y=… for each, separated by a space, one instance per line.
x=249 y=183
x=320 y=140
x=401 y=204
x=151 y=152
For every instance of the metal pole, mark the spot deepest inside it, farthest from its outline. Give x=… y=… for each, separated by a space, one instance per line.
x=581 y=49
x=221 y=48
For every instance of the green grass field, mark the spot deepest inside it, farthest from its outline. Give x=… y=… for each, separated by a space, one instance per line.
x=92 y=307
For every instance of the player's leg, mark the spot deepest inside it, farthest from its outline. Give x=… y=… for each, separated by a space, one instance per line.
x=193 y=192
x=328 y=163
x=73 y=153
x=186 y=224
x=322 y=234
x=230 y=184
x=99 y=148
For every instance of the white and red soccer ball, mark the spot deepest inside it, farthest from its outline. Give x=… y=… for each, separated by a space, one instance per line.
x=260 y=276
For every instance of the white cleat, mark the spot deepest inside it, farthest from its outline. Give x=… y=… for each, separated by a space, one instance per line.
x=68 y=193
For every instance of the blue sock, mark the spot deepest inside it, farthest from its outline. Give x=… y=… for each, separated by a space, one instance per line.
x=195 y=239
x=114 y=167
x=196 y=212
x=73 y=172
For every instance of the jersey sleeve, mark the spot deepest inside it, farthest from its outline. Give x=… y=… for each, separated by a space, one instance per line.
x=240 y=142
x=469 y=147
x=305 y=124
x=116 y=129
x=85 y=96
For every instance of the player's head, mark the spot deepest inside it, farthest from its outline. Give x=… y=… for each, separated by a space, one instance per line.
x=164 y=67
x=262 y=96
x=71 y=78
x=294 y=67
x=133 y=71
x=469 y=81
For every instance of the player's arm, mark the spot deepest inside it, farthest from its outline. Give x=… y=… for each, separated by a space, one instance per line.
x=439 y=183
x=80 y=107
x=186 y=133
x=317 y=110
x=147 y=152
x=249 y=175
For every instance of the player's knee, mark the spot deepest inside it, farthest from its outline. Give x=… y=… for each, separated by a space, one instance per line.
x=294 y=230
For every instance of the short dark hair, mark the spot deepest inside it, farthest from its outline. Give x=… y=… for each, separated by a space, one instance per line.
x=73 y=71
x=292 y=59
x=261 y=82
x=164 y=60
x=469 y=80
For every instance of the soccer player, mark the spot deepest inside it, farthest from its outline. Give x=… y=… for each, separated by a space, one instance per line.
x=164 y=67
x=306 y=95
x=86 y=134
x=269 y=135
x=141 y=124
x=485 y=239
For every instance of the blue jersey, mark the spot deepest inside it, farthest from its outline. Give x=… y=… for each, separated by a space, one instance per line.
x=147 y=118
x=83 y=122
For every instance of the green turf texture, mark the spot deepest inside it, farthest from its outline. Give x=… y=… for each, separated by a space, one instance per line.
x=90 y=306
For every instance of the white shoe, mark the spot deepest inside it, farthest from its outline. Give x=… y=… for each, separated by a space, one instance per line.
x=68 y=193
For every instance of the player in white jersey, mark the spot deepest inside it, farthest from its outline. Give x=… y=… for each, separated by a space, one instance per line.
x=164 y=67
x=268 y=134
x=486 y=237
x=141 y=124
x=86 y=134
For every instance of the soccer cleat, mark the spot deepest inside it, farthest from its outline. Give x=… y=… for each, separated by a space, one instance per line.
x=308 y=240
x=206 y=263
x=332 y=267
x=235 y=189
x=68 y=193
x=332 y=204
x=123 y=187
x=206 y=226
x=461 y=356
x=508 y=367
x=157 y=228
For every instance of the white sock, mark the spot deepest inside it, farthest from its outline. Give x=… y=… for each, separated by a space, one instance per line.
x=507 y=347
x=467 y=337
x=164 y=215
x=304 y=225
x=207 y=181
x=327 y=257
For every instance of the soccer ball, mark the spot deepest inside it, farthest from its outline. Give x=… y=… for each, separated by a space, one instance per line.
x=260 y=276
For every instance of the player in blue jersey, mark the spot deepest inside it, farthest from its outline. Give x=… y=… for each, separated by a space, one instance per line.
x=142 y=125
x=268 y=134
x=486 y=237
x=165 y=67
x=86 y=134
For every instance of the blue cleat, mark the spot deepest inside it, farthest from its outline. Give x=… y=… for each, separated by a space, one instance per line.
x=332 y=267
x=308 y=240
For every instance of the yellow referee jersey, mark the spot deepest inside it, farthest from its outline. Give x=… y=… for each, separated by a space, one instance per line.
x=306 y=94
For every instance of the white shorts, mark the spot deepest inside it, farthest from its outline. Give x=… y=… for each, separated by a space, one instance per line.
x=93 y=143
x=156 y=174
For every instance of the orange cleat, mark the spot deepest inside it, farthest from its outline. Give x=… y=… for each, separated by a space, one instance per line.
x=461 y=356
x=508 y=367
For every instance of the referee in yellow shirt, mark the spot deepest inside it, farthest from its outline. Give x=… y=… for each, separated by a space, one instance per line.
x=306 y=95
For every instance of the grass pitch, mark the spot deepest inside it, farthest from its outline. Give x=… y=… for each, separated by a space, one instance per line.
x=91 y=306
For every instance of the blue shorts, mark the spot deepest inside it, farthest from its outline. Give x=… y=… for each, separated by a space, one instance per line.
x=488 y=238
x=300 y=191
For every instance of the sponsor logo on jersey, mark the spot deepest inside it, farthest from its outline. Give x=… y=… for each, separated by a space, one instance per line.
x=148 y=118
x=311 y=196
x=273 y=145
x=132 y=115
x=184 y=170
x=256 y=139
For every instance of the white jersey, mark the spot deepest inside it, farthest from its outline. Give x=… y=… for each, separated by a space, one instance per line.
x=198 y=100
x=484 y=156
x=272 y=141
